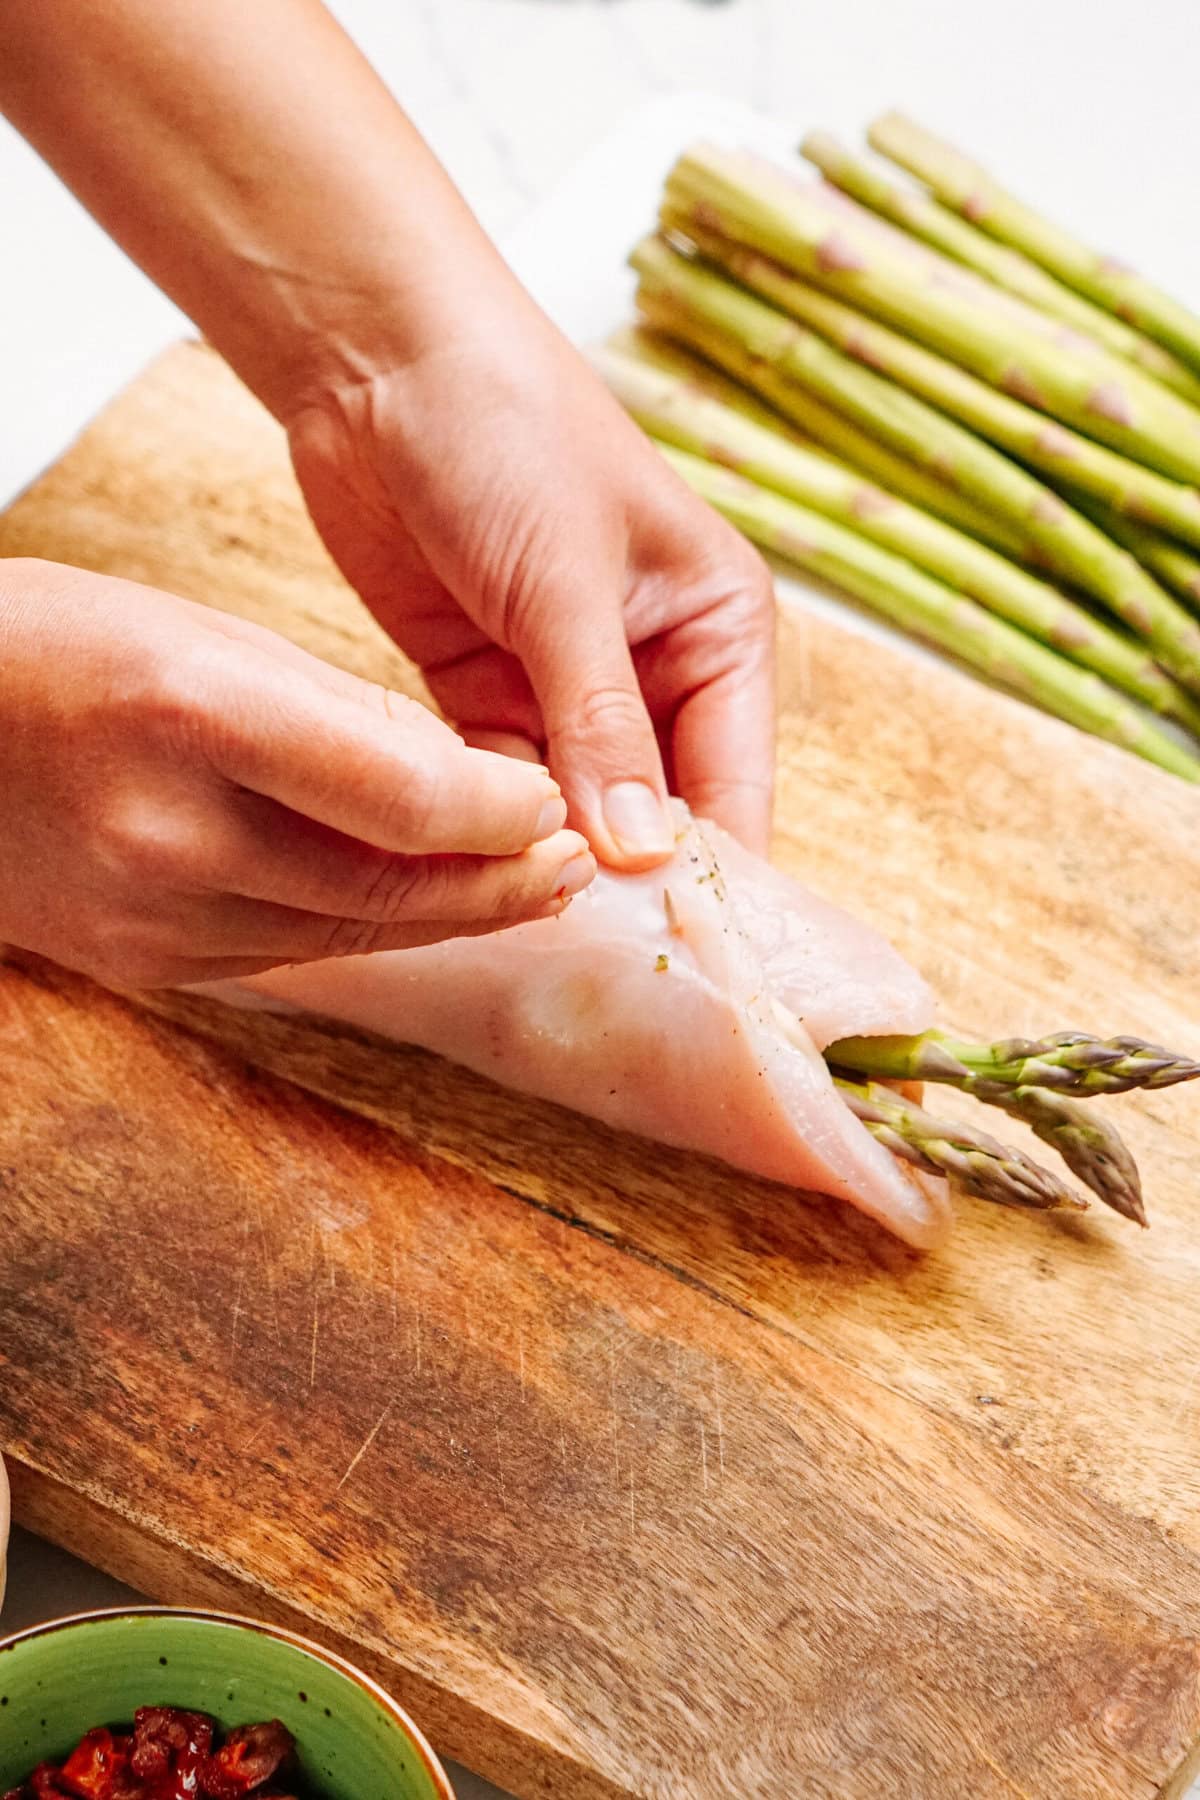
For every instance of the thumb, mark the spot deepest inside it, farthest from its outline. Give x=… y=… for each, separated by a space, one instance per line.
x=600 y=741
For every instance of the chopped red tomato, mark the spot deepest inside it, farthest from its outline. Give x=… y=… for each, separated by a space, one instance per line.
x=171 y=1754
x=98 y=1767
x=247 y=1759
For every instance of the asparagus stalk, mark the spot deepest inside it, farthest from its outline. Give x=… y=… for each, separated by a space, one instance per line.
x=1174 y=565
x=1041 y=1081
x=917 y=603
x=672 y=410
x=1065 y=1062
x=964 y=186
x=1179 y=568
x=831 y=431
x=1061 y=453
x=973 y=1160
x=676 y=291
x=1087 y=1143
x=748 y=199
x=654 y=350
x=948 y=232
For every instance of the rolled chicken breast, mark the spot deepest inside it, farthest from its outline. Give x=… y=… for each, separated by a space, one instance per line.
x=689 y=1005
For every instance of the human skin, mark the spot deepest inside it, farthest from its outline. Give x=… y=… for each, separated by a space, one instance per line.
x=565 y=595
x=187 y=796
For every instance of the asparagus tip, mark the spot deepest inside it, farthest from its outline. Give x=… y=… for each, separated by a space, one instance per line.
x=975 y=1162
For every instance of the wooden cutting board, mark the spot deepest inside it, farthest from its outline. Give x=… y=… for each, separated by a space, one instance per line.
x=630 y=1475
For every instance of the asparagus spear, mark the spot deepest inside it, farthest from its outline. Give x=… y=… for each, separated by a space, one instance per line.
x=1061 y=453
x=927 y=219
x=1087 y=1143
x=1034 y=1080
x=1070 y=1062
x=676 y=290
x=1174 y=565
x=673 y=410
x=831 y=431
x=1178 y=567
x=748 y=199
x=916 y=602
x=961 y=184
x=976 y=1162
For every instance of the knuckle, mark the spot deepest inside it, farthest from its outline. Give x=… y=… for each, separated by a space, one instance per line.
x=611 y=712
x=757 y=582
x=413 y=807
x=501 y=549
x=516 y=892
x=389 y=890
x=526 y=567
x=134 y=845
x=761 y=590
x=402 y=709
x=520 y=586
x=122 y=952
x=171 y=695
x=749 y=579
x=149 y=972
x=348 y=937
x=389 y=703
x=199 y=705
x=748 y=610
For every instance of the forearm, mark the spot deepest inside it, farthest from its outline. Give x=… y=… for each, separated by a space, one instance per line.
x=249 y=159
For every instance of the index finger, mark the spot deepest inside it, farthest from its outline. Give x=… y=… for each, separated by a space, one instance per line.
x=371 y=763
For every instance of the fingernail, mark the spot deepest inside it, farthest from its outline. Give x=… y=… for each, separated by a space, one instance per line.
x=575 y=875
x=552 y=818
x=637 y=819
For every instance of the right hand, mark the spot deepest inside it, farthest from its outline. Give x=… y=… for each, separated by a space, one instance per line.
x=187 y=797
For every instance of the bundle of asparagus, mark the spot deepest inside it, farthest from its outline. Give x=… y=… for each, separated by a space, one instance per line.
x=944 y=405
x=1041 y=1081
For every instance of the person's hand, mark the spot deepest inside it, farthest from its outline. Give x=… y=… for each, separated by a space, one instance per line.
x=565 y=594
x=188 y=797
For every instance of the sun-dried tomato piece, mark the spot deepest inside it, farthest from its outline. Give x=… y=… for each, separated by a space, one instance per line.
x=247 y=1759
x=169 y=1746
x=44 y=1783
x=98 y=1767
x=169 y=1755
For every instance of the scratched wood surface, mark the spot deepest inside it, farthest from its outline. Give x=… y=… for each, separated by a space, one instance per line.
x=632 y=1476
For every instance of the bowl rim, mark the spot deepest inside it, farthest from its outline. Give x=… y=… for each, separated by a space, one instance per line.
x=204 y=1616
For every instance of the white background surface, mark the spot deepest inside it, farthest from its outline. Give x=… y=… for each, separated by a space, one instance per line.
x=1089 y=103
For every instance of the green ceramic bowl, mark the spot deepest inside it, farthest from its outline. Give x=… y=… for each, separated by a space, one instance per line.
x=3 y=1528
x=58 y=1680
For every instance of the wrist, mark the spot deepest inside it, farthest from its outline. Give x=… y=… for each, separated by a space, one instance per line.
x=422 y=345
x=305 y=342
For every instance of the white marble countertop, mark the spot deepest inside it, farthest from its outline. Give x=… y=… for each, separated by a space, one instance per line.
x=1089 y=102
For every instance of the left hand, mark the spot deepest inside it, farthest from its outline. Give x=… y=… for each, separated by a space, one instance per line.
x=564 y=593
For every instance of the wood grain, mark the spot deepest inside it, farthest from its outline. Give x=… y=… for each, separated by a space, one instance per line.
x=632 y=1476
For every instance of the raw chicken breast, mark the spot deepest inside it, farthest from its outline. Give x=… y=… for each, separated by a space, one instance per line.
x=687 y=1005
